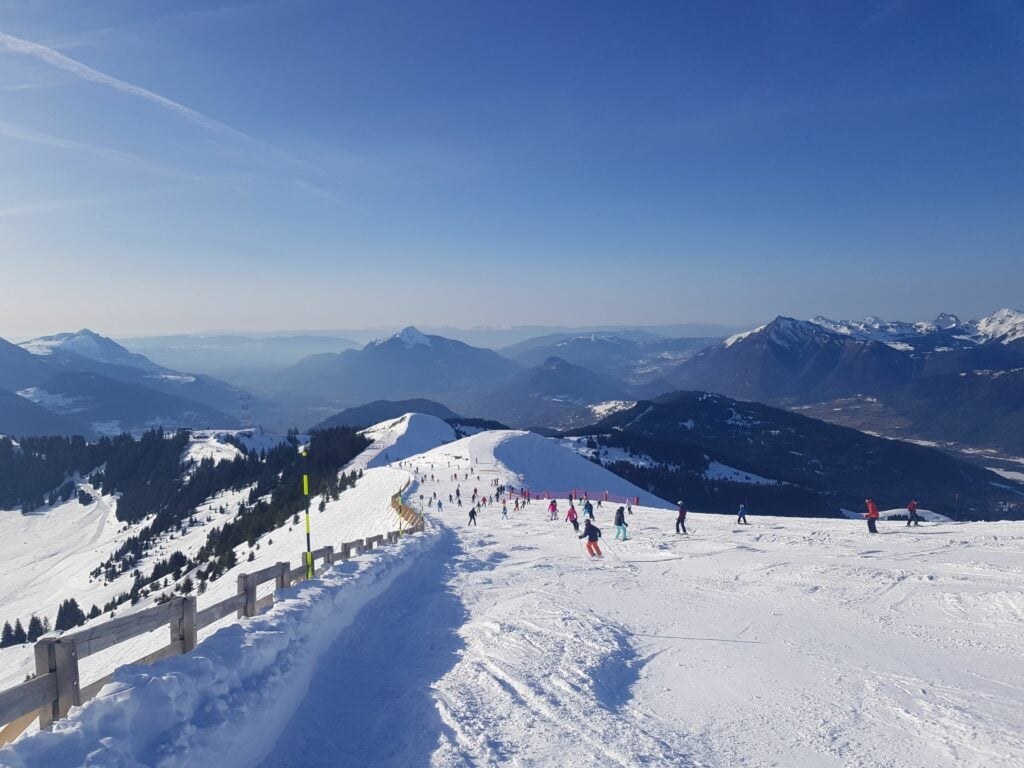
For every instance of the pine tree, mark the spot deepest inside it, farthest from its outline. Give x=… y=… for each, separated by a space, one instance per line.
x=20 y=638
x=69 y=615
x=35 y=628
x=94 y=611
x=7 y=637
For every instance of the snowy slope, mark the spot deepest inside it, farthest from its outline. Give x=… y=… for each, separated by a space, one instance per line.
x=47 y=557
x=400 y=438
x=789 y=642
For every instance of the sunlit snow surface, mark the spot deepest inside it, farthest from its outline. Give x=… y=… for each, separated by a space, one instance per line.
x=787 y=642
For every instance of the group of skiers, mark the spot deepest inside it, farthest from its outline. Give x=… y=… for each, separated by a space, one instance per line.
x=872 y=514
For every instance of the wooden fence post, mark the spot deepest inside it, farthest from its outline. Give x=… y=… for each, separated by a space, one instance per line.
x=186 y=629
x=46 y=663
x=284 y=578
x=247 y=587
x=65 y=657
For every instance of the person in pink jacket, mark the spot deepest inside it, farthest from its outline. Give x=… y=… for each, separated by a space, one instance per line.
x=573 y=518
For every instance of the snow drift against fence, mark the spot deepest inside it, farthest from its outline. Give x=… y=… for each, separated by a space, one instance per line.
x=213 y=706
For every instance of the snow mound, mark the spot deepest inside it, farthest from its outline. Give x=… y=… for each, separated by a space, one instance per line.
x=541 y=464
x=398 y=439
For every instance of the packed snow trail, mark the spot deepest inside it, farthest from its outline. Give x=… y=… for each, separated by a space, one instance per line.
x=371 y=700
x=788 y=642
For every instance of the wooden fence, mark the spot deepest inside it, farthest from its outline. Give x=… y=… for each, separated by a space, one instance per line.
x=56 y=686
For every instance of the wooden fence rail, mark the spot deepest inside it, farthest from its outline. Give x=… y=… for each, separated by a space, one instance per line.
x=56 y=686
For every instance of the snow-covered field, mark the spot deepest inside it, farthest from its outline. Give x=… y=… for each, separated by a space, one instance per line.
x=786 y=642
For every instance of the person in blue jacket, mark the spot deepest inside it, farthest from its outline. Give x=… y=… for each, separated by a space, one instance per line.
x=741 y=516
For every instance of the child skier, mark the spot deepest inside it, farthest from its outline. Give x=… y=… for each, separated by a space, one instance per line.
x=621 y=524
x=572 y=517
x=591 y=533
x=553 y=510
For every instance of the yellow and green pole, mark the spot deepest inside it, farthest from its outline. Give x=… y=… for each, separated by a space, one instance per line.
x=305 y=492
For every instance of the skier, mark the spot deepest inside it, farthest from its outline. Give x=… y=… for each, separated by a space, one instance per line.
x=741 y=516
x=629 y=506
x=912 y=513
x=439 y=505
x=572 y=517
x=588 y=511
x=681 y=518
x=621 y=524
x=871 y=515
x=504 y=511
x=472 y=516
x=591 y=533
x=552 y=510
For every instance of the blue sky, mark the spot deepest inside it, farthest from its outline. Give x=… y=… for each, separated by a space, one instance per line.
x=174 y=167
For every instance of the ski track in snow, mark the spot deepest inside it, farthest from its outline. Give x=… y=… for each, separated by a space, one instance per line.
x=790 y=642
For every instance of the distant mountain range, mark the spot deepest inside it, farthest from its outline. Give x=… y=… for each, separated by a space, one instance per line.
x=85 y=383
x=715 y=452
x=947 y=380
x=633 y=358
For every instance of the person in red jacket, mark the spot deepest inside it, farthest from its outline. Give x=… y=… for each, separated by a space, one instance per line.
x=871 y=515
x=912 y=513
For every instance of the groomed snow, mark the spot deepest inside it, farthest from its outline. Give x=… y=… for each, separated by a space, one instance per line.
x=787 y=642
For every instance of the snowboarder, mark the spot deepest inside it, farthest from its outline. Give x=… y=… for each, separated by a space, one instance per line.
x=553 y=510
x=912 y=513
x=472 y=516
x=681 y=518
x=591 y=533
x=621 y=524
x=871 y=515
x=741 y=516
x=573 y=518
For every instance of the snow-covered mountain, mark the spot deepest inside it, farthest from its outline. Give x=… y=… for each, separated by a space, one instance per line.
x=812 y=465
x=87 y=343
x=928 y=380
x=946 y=333
x=103 y=386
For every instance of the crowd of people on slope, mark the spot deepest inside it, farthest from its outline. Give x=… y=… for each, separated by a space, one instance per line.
x=521 y=499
